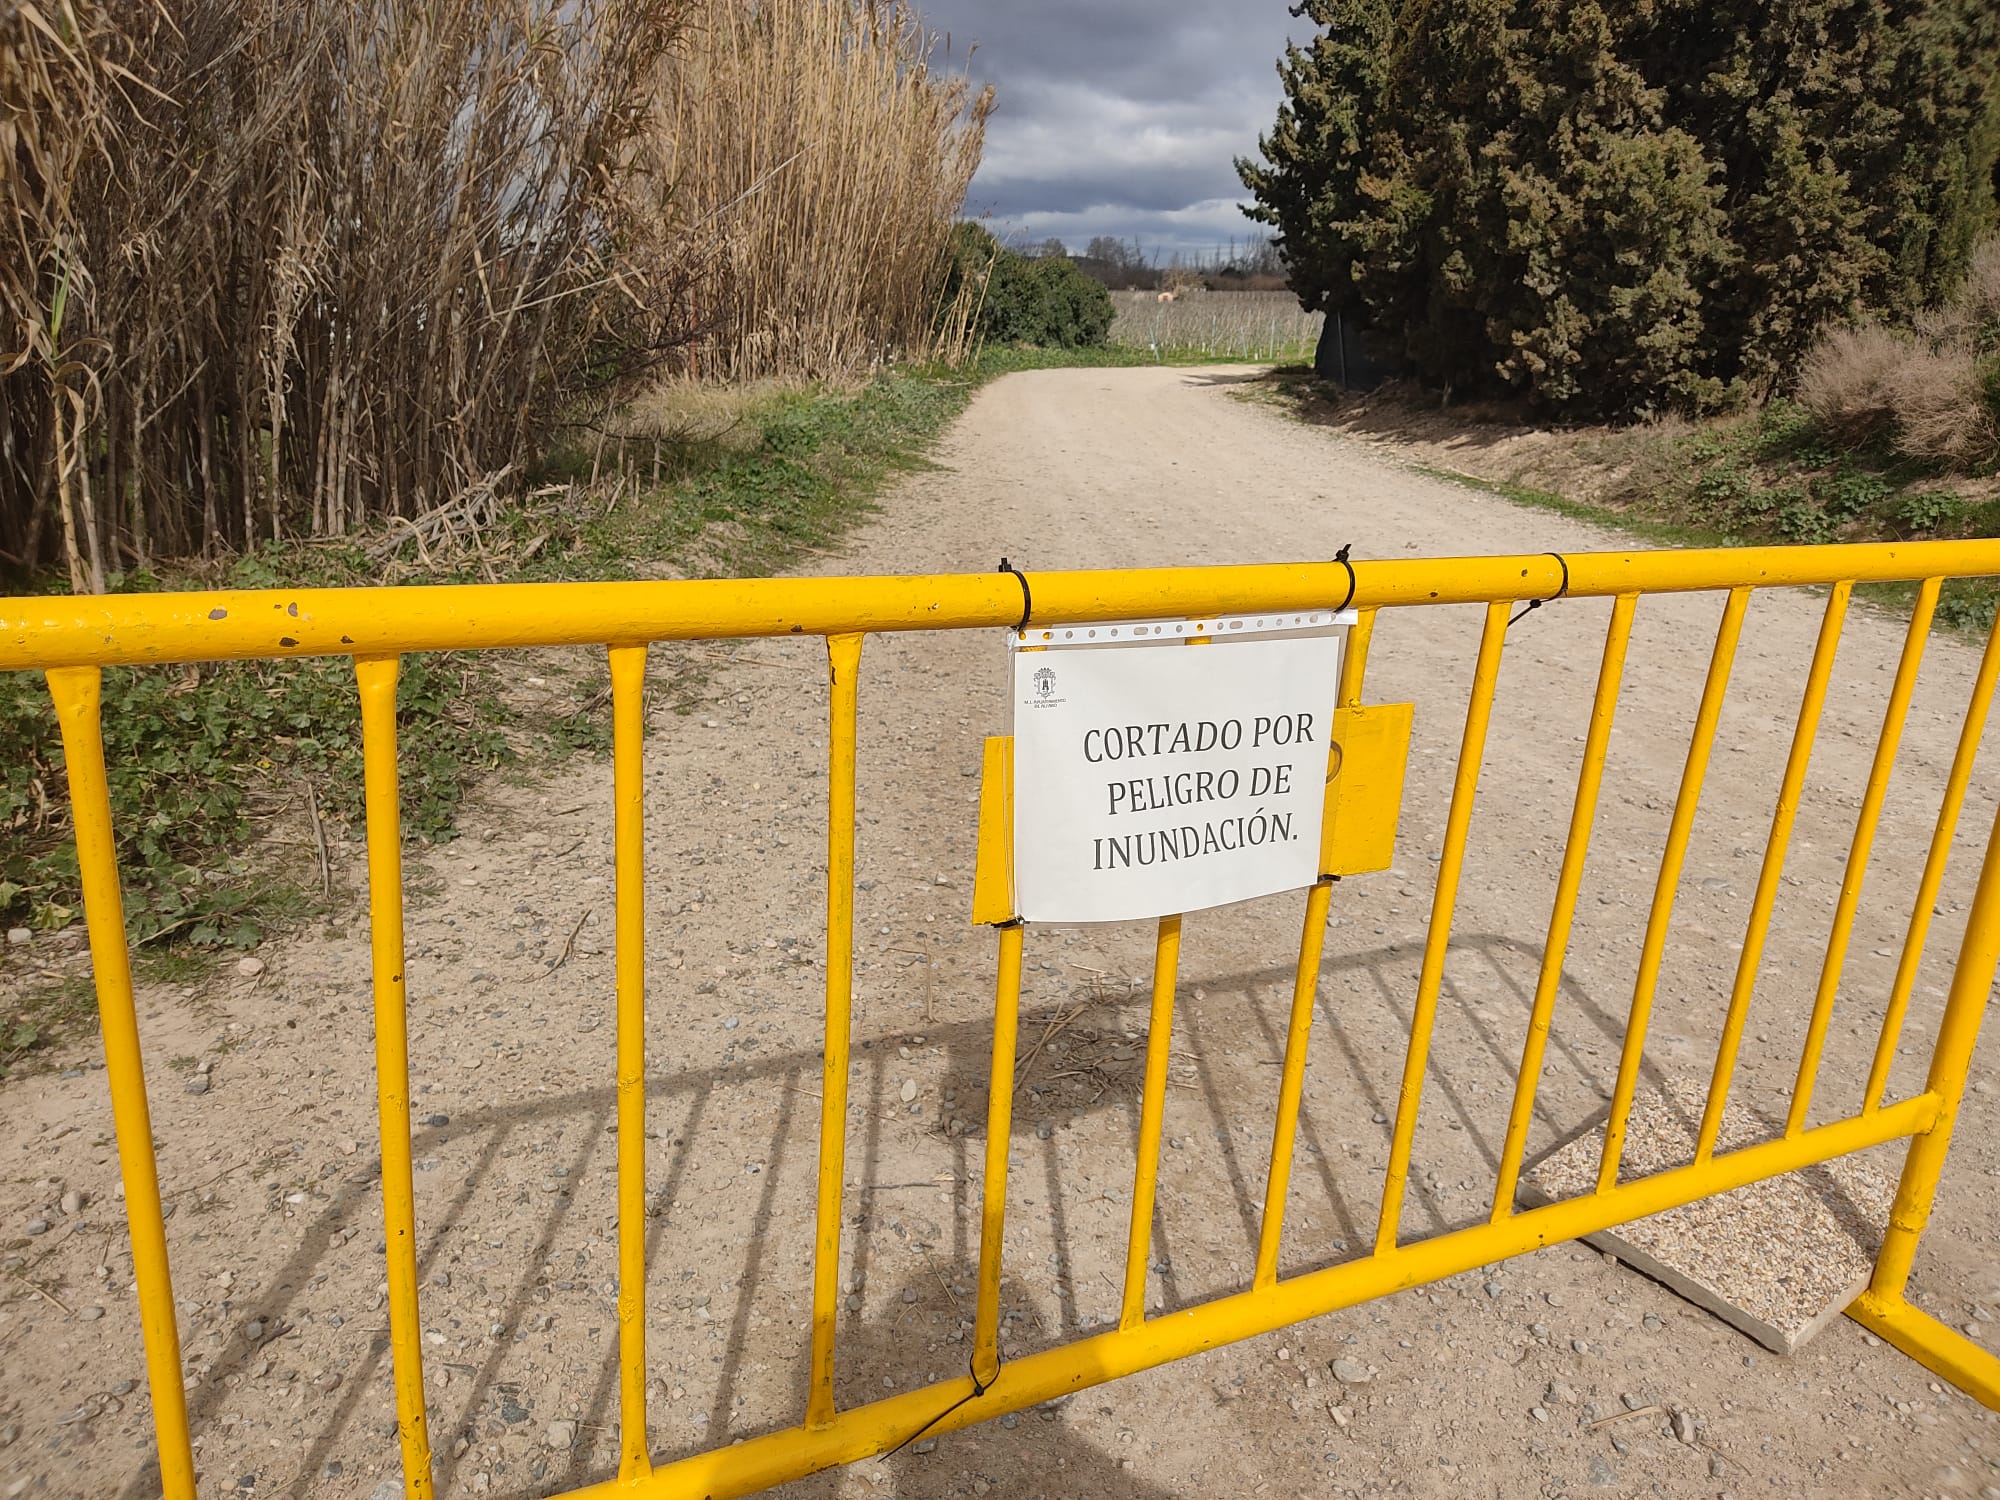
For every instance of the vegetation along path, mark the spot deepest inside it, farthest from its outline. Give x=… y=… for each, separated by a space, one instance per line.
x=1497 y=1382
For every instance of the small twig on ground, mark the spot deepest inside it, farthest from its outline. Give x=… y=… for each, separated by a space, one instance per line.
x=1049 y=1035
x=211 y=1181
x=319 y=841
x=747 y=661
x=283 y=1330
x=885 y=1119
x=1625 y=1416
x=38 y=1289
x=569 y=944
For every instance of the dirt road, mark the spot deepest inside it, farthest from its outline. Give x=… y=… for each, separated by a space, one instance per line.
x=1491 y=1384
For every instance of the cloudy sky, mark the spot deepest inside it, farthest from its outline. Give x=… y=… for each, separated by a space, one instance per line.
x=1120 y=117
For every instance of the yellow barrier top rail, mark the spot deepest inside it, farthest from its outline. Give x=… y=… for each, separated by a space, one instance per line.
x=133 y=629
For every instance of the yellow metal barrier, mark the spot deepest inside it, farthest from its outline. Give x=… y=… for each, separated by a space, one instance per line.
x=73 y=638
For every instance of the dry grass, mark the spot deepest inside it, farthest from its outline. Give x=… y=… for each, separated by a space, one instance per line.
x=1846 y=381
x=1939 y=400
x=825 y=228
x=1932 y=391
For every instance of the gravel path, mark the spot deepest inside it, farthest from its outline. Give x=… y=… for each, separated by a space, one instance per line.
x=1493 y=1383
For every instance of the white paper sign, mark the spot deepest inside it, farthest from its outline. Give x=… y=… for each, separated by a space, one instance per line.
x=1163 y=778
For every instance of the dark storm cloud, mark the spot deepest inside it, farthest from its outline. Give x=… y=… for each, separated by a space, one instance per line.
x=1120 y=116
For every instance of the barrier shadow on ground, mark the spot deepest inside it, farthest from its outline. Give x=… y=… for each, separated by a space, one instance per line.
x=1381 y=974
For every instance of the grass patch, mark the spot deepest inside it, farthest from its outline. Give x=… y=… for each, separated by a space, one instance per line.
x=1667 y=533
x=1764 y=478
x=211 y=766
x=40 y=1016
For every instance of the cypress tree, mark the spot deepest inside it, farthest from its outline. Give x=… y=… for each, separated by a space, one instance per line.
x=1314 y=156
x=1609 y=207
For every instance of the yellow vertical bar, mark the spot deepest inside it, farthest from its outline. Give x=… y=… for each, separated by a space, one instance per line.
x=77 y=692
x=1927 y=890
x=1354 y=662
x=628 y=737
x=1305 y=988
x=1689 y=798
x=1152 y=1110
x=1590 y=780
x=1857 y=856
x=843 y=653
x=999 y=1136
x=1786 y=813
x=376 y=677
x=1471 y=755
x=1951 y=1059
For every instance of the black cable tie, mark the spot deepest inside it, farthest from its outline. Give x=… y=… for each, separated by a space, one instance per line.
x=979 y=1388
x=1341 y=558
x=1535 y=604
x=1027 y=598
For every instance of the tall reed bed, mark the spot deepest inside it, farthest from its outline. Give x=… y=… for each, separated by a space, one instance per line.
x=820 y=155
x=273 y=268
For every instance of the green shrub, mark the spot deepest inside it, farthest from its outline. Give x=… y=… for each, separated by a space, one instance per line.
x=1928 y=512
x=1848 y=493
x=1046 y=302
x=1798 y=519
x=1967 y=603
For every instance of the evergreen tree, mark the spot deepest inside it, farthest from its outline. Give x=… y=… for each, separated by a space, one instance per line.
x=1315 y=154
x=1617 y=206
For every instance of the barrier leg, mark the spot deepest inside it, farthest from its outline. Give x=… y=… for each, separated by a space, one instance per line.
x=1884 y=1307
x=843 y=664
x=77 y=692
x=1152 y=1110
x=999 y=1137
x=628 y=731
x=377 y=679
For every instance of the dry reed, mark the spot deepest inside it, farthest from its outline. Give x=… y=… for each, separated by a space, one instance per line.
x=823 y=158
x=283 y=268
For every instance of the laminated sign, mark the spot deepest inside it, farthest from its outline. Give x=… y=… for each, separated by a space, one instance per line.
x=1165 y=768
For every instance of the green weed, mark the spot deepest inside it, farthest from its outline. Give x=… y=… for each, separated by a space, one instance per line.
x=200 y=757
